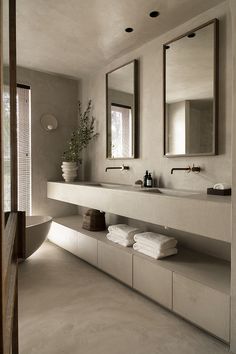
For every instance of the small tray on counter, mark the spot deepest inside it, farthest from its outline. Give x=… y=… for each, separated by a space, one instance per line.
x=213 y=191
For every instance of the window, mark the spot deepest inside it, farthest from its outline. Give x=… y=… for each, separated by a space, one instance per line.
x=6 y=148
x=24 y=148
x=121 y=130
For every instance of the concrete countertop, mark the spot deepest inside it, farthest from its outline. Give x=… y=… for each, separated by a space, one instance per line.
x=197 y=213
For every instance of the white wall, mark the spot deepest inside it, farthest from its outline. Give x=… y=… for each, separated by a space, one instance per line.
x=151 y=116
x=56 y=95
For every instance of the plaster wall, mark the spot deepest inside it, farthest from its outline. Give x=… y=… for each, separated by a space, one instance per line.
x=214 y=168
x=58 y=96
x=151 y=116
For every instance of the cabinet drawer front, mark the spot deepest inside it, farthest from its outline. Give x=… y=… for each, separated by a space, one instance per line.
x=64 y=237
x=115 y=262
x=153 y=281
x=88 y=249
x=204 y=306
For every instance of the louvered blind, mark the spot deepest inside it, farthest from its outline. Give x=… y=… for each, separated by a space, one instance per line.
x=6 y=148
x=24 y=149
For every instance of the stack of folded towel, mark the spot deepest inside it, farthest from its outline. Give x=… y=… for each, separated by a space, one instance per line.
x=155 y=245
x=122 y=234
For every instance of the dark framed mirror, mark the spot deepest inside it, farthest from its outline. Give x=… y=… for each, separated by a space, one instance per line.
x=190 y=92
x=122 y=111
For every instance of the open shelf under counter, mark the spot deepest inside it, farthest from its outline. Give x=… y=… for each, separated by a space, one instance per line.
x=74 y=222
x=208 y=270
x=191 y=284
x=205 y=269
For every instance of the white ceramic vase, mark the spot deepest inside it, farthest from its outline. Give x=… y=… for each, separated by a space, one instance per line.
x=69 y=171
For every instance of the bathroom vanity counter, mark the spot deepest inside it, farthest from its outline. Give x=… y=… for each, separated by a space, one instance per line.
x=192 y=212
x=193 y=285
x=208 y=270
x=165 y=192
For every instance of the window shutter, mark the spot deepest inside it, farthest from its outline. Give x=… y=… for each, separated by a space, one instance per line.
x=24 y=149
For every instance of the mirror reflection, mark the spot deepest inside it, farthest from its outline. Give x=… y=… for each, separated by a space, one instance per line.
x=121 y=111
x=190 y=93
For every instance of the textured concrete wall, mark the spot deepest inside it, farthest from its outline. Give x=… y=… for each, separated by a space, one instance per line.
x=151 y=116
x=58 y=96
x=215 y=168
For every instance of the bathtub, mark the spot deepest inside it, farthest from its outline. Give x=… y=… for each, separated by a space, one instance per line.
x=37 y=228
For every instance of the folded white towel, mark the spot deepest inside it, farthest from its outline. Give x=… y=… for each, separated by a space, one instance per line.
x=124 y=230
x=157 y=247
x=157 y=241
x=121 y=236
x=153 y=253
x=154 y=249
x=120 y=240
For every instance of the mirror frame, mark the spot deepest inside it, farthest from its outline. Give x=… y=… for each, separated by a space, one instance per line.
x=215 y=22
x=135 y=125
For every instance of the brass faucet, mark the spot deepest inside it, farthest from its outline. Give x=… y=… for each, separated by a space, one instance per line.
x=188 y=169
x=122 y=168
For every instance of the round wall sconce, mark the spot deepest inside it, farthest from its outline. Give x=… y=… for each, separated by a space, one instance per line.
x=49 y=122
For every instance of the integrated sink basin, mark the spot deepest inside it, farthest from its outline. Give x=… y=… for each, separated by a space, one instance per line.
x=108 y=185
x=165 y=191
x=170 y=192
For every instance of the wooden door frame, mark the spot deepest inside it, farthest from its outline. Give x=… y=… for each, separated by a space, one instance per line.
x=2 y=221
x=12 y=232
x=12 y=43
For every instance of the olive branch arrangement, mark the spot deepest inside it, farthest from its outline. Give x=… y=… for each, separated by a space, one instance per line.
x=80 y=137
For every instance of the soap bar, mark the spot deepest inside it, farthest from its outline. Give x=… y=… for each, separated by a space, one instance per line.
x=213 y=191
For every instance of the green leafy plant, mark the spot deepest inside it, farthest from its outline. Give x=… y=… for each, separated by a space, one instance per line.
x=80 y=137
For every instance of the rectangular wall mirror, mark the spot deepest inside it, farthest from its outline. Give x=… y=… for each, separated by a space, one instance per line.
x=190 y=92
x=121 y=110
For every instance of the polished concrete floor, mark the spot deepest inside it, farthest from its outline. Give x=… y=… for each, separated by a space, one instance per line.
x=67 y=306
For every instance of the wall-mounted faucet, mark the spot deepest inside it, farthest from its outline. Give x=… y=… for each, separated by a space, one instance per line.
x=188 y=169
x=122 y=168
x=180 y=169
x=196 y=168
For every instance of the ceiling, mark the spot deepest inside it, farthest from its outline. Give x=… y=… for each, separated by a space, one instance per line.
x=77 y=37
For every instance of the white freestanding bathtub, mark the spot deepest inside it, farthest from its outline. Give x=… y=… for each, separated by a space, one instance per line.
x=37 y=228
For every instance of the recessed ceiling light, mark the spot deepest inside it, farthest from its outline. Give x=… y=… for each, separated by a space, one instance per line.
x=154 y=14
x=191 y=35
x=129 y=29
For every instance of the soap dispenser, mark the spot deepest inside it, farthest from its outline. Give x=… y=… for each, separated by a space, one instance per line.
x=145 y=178
x=149 y=181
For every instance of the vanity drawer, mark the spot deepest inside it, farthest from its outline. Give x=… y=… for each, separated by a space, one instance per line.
x=115 y=261
x=152 y=280
x=206 y=307
x=88 y=249
x=64 y=237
